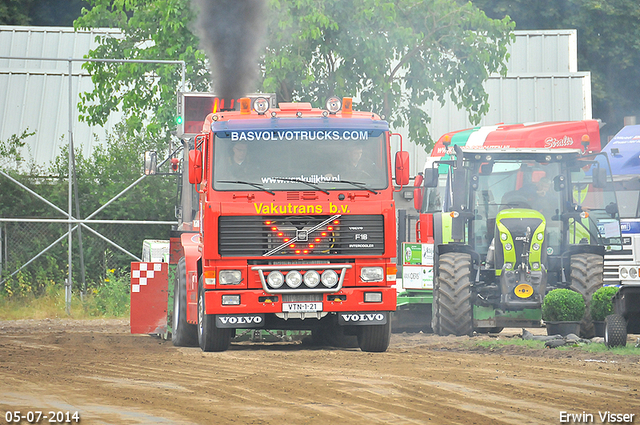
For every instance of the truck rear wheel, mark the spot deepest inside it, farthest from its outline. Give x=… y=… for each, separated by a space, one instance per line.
x=375 y=338
x=615 y=331
x=452 y=296
x=210 y=337
x=183 y=334
x=587 y=273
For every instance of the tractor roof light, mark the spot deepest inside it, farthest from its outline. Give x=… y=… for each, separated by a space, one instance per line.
x=333 y=105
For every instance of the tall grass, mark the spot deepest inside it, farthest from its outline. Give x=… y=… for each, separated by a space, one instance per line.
x=110 y=299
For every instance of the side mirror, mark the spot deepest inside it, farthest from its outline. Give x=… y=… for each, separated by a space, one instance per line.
x=431 y=177
x=402 y=168
x=195 y=166
x=417 y=192
x=150 y=162
x=599 y=177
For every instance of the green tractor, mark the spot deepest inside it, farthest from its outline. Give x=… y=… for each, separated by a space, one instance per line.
x=511 y=225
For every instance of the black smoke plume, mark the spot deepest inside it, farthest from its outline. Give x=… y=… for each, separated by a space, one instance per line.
x=231 y=32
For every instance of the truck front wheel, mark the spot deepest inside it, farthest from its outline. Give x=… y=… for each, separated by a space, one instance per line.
x=452 y=312
x=210 y=337
x=183 y=334
x=375 y=338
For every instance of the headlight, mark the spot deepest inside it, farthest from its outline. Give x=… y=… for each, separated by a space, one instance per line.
x=624 y=273
x=508 y=246
x=333 y=105
x=229 y=277
x=261 y=105
x=508 y=266
x=540 y=236
x=293 y=279
x=633 y=273
x=275 y=279
x=329 y=278
x=535 y=246
x=371 y=274
x=535 y=266
x=503 y=236
x=311 y=278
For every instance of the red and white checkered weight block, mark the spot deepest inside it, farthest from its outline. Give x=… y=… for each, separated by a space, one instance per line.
x=149 y=296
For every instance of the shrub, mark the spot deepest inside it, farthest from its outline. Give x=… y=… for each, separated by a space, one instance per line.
x=601 y=302
x=563 y=305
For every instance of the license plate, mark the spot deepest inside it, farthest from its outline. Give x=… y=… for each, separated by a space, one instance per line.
x=301 y=307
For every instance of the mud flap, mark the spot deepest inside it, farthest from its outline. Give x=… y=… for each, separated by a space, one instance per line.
x=149 y=296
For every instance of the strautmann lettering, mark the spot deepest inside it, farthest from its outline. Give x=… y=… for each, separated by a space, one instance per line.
x=299 y=135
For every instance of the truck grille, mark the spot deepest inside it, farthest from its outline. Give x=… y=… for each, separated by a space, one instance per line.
x=274 y=235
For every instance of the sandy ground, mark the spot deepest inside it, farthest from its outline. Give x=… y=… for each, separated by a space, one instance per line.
x=112 y=377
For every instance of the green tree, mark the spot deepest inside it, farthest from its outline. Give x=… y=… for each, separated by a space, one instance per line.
x=393 y=55
x=146 y=93
x=608 y=34
x=40 y=12
x=14 y=12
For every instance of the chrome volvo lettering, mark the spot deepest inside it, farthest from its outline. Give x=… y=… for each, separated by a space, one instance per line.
x=363 y=317
x=240 y=320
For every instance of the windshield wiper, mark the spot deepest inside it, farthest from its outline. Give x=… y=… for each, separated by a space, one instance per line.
x=356 y=184
x=289 y=179
x=256 y=185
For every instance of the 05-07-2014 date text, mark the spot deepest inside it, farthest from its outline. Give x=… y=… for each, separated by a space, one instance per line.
x=36 y=416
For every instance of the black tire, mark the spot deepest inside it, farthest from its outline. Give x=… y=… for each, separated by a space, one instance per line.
x=453 y=314
x=375 y=338
x=210 y=337
x=587 y=274
x=183 y=334
x=615 y=331
x=435 y=308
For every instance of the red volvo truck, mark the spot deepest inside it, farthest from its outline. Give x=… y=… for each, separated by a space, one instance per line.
x=287 y=222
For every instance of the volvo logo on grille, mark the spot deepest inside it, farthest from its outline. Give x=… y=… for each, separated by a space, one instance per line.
x=302 y=235
x=240 y=321
x=370 y=318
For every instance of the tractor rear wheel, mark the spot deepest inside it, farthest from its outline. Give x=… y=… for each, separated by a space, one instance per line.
x=615 y=331
x=210 y=337
x=587 y=273
x=375 y=338
x=183 y=334
x=453 y=313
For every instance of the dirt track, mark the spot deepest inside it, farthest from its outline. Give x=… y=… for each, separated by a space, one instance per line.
x=111 y=377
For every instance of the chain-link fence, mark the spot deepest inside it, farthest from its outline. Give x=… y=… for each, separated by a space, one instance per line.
x=31 y=248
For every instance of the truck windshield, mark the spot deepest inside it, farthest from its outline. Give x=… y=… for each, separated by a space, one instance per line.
x=300 y=163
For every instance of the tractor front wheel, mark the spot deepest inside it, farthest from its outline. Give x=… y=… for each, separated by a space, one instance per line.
x=587 y=274
x=452 y=310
